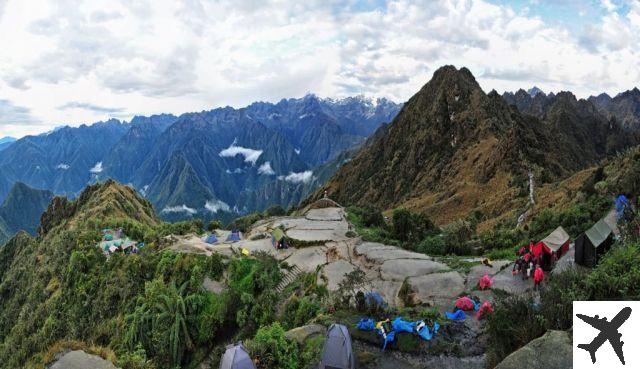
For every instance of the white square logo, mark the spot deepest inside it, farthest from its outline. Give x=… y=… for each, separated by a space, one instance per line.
x=606 y=334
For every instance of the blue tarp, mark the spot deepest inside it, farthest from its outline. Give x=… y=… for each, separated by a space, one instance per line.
x=458 y=315
x=374 y=299
x=211 y=239
x=622 y=203
x=391 y=336
x=366 y=324
x=427 y=334
x=400 y=325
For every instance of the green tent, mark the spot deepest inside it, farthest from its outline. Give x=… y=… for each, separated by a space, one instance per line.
x=593 y=243
x=277 y=236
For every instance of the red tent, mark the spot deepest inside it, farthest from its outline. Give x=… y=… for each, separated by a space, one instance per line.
x=556 y=242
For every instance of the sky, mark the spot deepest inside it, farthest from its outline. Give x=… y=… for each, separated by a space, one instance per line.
x=74 y=62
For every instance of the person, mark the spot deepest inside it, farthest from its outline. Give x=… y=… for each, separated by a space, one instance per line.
x=538 y=277
x=531 y=269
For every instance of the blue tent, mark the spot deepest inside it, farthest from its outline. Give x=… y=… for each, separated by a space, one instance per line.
x=373 y=299
x=458 y=315
x=622 y=204
x=391 y=336
x=234 y=236
x=211 y=239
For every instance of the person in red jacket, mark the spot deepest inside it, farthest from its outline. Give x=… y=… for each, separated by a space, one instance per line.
x=538 y=277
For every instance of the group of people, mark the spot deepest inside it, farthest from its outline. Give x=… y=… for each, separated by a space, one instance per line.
x=528 y=265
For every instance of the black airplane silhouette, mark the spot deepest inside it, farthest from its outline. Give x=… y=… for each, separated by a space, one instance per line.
x=608 y=332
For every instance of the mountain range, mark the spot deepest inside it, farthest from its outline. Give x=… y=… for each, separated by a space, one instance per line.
x=5 y=142
x=221 y=162
x=453 y=149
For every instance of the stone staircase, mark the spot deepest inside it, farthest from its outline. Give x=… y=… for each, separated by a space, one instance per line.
x=288 y=278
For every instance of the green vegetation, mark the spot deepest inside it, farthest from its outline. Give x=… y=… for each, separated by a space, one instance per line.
x=142 y=311
x=416 y=232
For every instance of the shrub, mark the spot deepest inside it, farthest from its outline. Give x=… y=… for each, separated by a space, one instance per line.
x=433 y=245
x=513 y=324
x=275 y=211
x=271 y=349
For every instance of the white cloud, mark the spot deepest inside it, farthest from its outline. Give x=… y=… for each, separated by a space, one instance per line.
x=63 y=166
x=164 y=56
x=96 y=168
x=235 y=171
x=266 y=169
x=301 y=177
x=250 y=155
x=179 y=209
x=217 y=205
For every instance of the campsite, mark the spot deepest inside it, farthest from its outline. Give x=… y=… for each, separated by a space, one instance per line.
x=408 y=305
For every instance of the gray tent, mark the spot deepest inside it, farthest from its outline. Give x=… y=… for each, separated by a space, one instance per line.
x=236 y=357
x=593 y=243
x=337 y=352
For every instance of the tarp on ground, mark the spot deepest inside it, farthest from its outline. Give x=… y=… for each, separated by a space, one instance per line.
x=211 y=239
x=593 y=243
x=337 y=352
x=366 y=324
x=465 y=303
x=401 y=325
x=236 y=357
x=458 y=315
x=426 y=333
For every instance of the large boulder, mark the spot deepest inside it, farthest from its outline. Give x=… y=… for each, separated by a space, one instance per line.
x=301 y=334
x=79 y=359
x=554 y=350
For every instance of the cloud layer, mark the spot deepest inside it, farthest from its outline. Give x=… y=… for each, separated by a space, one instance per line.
x=65 y=62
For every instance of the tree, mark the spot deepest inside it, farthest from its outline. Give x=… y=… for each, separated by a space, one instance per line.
x=172 y=309
x=213 y=225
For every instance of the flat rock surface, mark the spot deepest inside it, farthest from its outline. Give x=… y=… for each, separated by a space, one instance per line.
x=512 y=284
x=308 y=258
x=379 y=253
x=334 y=272
x=479 y=271
x=399 y=269
x=440 y=289
x=81 y=360
x=325 y=214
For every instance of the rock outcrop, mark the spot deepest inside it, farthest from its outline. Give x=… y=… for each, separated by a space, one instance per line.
x=554 y=350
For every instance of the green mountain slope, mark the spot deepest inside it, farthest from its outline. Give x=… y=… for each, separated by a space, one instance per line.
x=21 y=210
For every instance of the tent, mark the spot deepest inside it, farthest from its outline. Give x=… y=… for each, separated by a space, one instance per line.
x=277 y=238
x=236 y=357
x=211 y=239
x=622 y=205
x=337 y=352
x=593 y=243
x=555 y=244
x=234 y=236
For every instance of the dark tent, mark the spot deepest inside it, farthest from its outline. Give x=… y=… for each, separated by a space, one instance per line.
x=236 y=357
x=593 y=243
x=234 y=236
x=337 y=352
x=211 y=239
